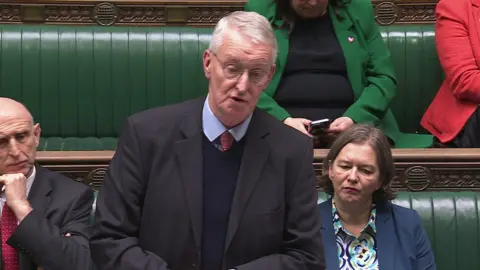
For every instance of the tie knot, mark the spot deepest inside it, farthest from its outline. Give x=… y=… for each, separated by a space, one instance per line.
x=226 y=141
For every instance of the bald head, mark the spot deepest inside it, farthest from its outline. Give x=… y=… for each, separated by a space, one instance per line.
x=19 y=138
x=10 y=108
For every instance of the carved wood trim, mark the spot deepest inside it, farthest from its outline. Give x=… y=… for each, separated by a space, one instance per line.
x=163 y=12
x=429 y=169
x=416 y=169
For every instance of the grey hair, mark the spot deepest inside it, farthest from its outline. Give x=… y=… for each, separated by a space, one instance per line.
x=250 y=24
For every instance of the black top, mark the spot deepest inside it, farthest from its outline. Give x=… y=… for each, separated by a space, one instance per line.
x=315 y=83
x=219 y=181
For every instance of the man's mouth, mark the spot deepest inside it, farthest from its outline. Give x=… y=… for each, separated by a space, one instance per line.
x=17 y=164
x=237 y=99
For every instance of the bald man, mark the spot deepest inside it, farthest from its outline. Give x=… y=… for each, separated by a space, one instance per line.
x=45 y=216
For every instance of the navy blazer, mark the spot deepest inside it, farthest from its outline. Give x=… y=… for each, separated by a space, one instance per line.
x=402 y=244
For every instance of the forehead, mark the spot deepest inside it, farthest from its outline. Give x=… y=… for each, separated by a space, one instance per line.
x=358 y=153
x=240 y=46
x=13 y=125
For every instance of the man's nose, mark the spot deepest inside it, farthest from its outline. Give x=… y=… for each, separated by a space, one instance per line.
x=14 y=148
x=243 y=81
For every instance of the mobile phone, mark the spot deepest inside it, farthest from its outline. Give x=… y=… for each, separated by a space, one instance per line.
x=320 y=125
x=323 y=123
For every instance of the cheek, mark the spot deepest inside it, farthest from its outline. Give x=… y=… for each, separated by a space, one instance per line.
x=256 y=92
x=338 y=178
x=29 y=150
x=370 y=184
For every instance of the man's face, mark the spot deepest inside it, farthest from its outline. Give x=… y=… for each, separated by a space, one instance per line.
x=19 y=139
x=238 y=73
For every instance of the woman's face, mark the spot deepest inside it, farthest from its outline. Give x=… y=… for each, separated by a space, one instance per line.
x=355 y=173
x=309 y=9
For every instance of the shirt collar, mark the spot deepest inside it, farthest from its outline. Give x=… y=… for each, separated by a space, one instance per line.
x=29 y=182
x=337 y=223
x=212 y=127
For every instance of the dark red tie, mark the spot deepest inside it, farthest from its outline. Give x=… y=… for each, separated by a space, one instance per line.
x=226 y=141
x=9 y=224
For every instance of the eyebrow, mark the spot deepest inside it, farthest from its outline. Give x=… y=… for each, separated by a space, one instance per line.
x=3 y=135
x=361 y=164
x=229 y=57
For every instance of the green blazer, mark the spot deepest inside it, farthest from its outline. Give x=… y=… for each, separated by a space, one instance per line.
x=370 y=71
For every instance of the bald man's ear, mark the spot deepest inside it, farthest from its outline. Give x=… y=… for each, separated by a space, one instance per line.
x=36 y=132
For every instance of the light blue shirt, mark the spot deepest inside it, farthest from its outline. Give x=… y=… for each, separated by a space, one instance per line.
x=213 y=128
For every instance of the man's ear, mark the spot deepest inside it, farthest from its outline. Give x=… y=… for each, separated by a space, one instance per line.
x=37 y=132
x=207 y=63
x=271 y=73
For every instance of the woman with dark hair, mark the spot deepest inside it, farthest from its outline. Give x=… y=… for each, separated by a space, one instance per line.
x=361 y=228
x=332 y=63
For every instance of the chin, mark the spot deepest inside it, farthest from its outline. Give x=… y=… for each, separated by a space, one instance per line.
x=351 y=198
x=236 y=115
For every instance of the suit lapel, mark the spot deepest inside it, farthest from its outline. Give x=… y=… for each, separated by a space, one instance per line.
x=190 y=164
x=255 y=155
x=385 y=232
x=39 y=199
x=328 y=235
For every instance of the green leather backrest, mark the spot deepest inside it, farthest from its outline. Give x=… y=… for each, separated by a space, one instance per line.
x=418 y=71
x=83 y=81
x=452 y=222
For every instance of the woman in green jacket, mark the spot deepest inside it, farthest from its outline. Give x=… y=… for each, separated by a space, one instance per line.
x=332 y=63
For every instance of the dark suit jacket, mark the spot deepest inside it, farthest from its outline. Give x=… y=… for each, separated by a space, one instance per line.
x=402 y=244
x=60 y=206
x=149 y=209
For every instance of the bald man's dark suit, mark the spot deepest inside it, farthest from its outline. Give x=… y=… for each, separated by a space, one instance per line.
x=149 y=209
x=60 y=206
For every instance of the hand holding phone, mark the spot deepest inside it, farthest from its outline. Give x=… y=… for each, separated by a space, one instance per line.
x=320 y=126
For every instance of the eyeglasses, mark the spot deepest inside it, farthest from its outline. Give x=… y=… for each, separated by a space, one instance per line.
x=234 y=70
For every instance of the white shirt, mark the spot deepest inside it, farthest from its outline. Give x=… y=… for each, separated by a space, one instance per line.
x=30 y=179
x=212 y=127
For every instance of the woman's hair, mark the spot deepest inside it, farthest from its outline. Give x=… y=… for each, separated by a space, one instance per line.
x=361 y=134
x=285 y=9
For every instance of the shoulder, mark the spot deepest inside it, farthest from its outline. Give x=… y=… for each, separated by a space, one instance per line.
x=325 y=208
x=454 y=5
x=453 y=9
x=360 y=12
x=266 y=8
x=405 y=218
x=147 y=124
x=285 y=141
x=63 y=187
x=360 y=7
x=166 y=114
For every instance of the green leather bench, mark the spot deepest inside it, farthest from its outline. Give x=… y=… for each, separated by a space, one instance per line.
x=452 y=222
x=81 y=82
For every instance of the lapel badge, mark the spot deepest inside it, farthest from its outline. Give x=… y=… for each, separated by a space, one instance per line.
x=350 y=39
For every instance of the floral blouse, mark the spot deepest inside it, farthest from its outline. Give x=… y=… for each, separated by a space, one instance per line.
x=356 y=253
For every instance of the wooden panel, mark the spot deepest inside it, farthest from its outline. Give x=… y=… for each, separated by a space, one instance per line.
x=163 y=12
x=416 y=169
